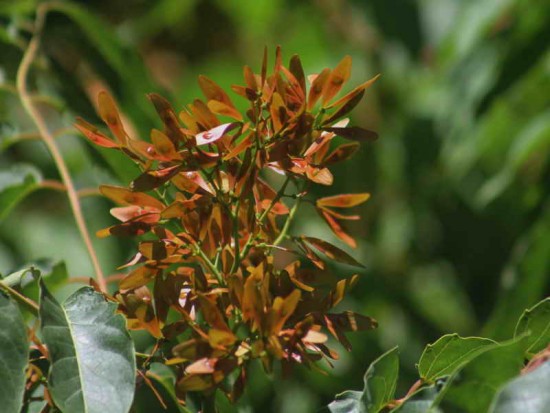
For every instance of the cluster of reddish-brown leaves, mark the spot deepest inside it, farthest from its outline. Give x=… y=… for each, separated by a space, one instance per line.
x=209 y=222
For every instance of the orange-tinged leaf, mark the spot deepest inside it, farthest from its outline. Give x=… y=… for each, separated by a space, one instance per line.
x=94 y=135
x=278 y=112
x=244 y=144
x=250 y=78
x=212 y=314
x=283 y=308
x=316 y=88
x=153 y=179
x=213 y=91
x=221 y=338
x=221 y=108
x=347 y=107
x=336 y=295
x=297 y=70
x=214 y=134
x=342 y=153
x=343 y=201
x=163 y=145
x=124 y=196
x=362 y=87
x=109 y=113
x=169 y=119
x=332 y=251
x=338 y=77
x=351 y=321
x=337 y=228
x=319 y=175
x=203 y=115
x=137 y=278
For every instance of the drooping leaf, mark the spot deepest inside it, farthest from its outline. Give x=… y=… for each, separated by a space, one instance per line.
x=124 y=196
x=94 y=134
x=472 y=388
x=536 y=321
x=14 y=353
x=16 y=182
x=525 y=394
x=332 y=251
x=342 y=153
x=354 y=133
x=91 y=353
x=448 y=354
x=381 y=381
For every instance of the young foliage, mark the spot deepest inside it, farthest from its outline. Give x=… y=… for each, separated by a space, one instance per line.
x=469 y=374
x=212 y=208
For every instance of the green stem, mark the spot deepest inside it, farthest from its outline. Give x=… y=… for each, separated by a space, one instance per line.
x=286 y=227
x=250 y=240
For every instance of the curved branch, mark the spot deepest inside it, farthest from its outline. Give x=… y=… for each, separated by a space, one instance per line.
x=48 y=138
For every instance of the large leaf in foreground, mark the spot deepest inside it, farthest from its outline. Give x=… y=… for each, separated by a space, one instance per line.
x=525 y=394
x=92 y=355
x=14 y=347
x=449 y=353
x=381 y=381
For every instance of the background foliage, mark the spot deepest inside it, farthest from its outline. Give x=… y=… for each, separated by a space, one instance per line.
x=457 y=235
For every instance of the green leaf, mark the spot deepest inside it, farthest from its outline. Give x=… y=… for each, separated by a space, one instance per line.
x=420 y=401
x=16 y=182
x=448 y=354
x=536 y=321
x=381 y=381
x=91 y=353
x=525 y=394
x=347 y=402
x=14 y=349
x=472 y=388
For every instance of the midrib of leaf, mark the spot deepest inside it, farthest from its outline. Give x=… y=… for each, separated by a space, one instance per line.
x=81 y=379
x=541 y=335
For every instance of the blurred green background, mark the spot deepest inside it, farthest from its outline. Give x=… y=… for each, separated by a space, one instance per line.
x=456 y=236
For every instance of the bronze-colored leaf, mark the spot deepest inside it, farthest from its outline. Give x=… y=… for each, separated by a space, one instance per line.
x=343 y=201
x=337 y=228
x=317 y=87
x=332 y=251
x=342 y=153
x=108 y=111
x=124 y=196
x=336 y=80
x=354 y=133
x=94 y=135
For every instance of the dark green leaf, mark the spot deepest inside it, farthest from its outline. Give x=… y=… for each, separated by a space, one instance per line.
x=448 y=354
x=91 y=353
x=525 y=394
x=536 y=321
x=14 y=349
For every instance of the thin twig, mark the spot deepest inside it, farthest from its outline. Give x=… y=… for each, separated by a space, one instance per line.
x=49 y=140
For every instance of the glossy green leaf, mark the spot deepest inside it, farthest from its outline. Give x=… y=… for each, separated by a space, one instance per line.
x=91 y=353
x=16 y=183
x=448 y=354
x=14 y=349
x=381 y=381
x=472 y=388
x=525 y=394
x=536 y=322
